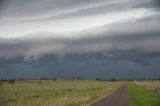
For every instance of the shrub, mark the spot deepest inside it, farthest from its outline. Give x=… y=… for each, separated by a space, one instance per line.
x=113 y=79
x=99 y=79
x=39 y=82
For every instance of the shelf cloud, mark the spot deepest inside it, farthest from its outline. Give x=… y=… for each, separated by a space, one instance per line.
x=133 y=36
x=121 y=30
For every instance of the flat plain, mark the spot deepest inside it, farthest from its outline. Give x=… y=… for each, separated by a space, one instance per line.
x=55 y=93
x=79 y=93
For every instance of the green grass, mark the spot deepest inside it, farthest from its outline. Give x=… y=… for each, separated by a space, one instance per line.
x=59 y=93
x=143 y=97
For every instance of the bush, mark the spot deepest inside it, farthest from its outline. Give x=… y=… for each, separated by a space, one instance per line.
x=113 y=79
x=99 y=79
x=39 y=82
x=44 y=78
x=80 y=78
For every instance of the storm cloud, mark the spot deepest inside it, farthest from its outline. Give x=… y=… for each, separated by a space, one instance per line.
x=107 y=39
x=105 y=31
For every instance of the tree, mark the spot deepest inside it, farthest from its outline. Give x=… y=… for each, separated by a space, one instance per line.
x=113 y=79
x=99 y=79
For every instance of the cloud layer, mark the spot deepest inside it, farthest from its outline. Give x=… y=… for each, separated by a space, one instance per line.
x=134 y=28
x=20 y=17
x=129 y=40
x=109 y=38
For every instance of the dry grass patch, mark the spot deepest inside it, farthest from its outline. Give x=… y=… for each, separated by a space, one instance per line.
x=68 y=101
x=152 y=85
x=59 y=93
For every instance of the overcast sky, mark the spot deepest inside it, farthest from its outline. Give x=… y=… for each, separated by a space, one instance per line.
x=20 y=18
x=33 y=28
x=121 y=30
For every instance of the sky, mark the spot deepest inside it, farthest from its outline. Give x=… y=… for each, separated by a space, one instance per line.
x=124 y=32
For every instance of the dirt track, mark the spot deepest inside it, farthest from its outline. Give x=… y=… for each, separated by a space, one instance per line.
x=118 y=98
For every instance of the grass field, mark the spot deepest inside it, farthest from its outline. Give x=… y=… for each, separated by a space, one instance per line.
x=152 y=85
x=141 y=95
x=59 y=93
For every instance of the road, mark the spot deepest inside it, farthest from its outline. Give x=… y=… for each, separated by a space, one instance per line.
x=118 y=98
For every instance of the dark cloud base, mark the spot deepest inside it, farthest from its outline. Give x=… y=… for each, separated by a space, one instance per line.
x=125 y=65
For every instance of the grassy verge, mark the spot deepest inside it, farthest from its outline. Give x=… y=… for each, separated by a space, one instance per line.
x=151 y=85
x=59 y=93
x=143 y=97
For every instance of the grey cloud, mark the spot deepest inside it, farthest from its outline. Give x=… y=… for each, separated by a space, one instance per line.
x=110 y=8
x=127 y=48
x=132 y=42
x=52 y=9
x=37 y=9
x=148 y=4
x=137 y=51
x=100 y=10
x=2 y=4
x=133 y=55
x=135 y=40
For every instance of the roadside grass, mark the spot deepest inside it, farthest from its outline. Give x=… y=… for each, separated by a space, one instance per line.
x=59 y=93
x=152 y=85
x=139 y=96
